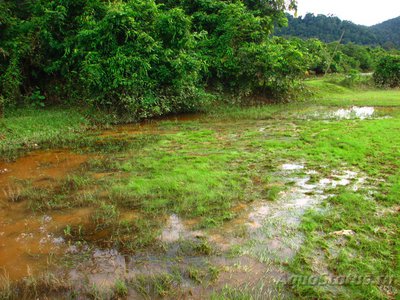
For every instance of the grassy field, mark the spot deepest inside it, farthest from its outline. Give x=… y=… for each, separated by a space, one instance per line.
x=203 y=169
x=328 y=92
x=26 y=129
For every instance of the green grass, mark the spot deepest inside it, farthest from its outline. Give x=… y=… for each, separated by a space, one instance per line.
x=190 y=182
x=27 y=129
x=328 y=93
x=373 y=147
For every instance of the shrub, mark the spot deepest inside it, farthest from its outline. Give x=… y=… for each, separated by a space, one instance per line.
x=387 y=72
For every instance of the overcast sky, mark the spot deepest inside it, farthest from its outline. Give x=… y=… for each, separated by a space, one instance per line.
x=364 y=12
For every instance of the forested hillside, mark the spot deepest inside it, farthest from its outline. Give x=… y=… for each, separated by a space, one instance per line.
x=388 y=32
x=330 y=29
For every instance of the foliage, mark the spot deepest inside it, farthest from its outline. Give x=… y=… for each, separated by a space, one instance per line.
x=338 y=57
x=141 y=58
x=388 y=71
x=330 y=28
x=37 y=99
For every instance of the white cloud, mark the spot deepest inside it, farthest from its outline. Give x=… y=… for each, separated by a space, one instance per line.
x=364 y=12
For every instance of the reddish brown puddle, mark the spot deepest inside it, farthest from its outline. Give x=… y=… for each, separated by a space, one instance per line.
x=40 y=166
x=27 y=239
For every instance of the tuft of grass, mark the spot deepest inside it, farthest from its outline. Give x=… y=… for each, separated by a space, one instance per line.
x=120 y=289
x=105 y=216
x=273 y=192
x=159 y=285
x=201 y=275
x=97 y=293
x=197 y=247
x=13 y=193
x=48 y=285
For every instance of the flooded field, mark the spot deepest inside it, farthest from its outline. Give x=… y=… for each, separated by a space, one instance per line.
x=29 y=239
x=184 y=207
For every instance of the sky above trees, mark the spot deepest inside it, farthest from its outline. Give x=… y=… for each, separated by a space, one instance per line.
x=358 y=11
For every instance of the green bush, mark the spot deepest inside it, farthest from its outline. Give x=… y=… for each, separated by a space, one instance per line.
x=387 y=73
x=143 y=58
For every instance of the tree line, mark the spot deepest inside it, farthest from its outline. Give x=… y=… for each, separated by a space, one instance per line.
x=330 y=28
x=151 y=57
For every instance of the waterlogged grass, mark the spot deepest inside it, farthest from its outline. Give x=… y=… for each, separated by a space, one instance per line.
x=372 y=214
x=371 y=252
x=184 y=175
x=201 y=170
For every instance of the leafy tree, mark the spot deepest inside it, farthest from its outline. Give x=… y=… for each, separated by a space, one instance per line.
x=388 y=71
x=149 y=57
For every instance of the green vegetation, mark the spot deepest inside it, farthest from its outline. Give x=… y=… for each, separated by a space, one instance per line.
x=120 y=288
x=138 y=59
x=330 y=28
x=332 y=92
x=142 y=58
x=388 y=32
x=196 y=196
x=388 y=72
x=371 y=251
x=27 y=129
x=33 y=287
x=201 y=170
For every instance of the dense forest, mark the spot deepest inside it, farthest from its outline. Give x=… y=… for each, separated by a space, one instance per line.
x=388 y=33
x=146 y=58
x=330 y=29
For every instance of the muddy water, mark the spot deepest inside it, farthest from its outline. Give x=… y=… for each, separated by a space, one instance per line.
x=40 y=166
x=29 y=243
x=28 y=240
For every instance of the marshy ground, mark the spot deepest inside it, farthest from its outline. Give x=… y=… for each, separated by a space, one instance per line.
x=232 y=204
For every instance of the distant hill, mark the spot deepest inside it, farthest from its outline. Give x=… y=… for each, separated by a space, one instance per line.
x=330 y=28
x=388 y=32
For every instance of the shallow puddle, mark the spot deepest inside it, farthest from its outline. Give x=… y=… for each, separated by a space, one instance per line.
x=352 y=113
x=40 y=167
x=274 y=226
x=28 y=240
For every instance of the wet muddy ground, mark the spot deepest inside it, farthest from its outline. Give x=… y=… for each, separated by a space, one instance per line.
x=249 y=251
